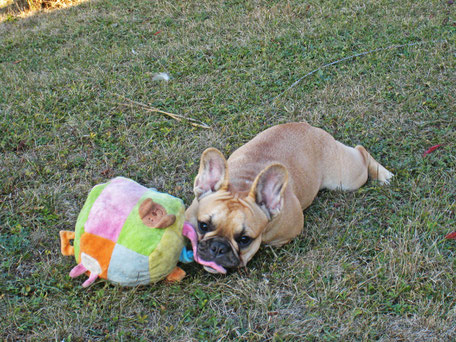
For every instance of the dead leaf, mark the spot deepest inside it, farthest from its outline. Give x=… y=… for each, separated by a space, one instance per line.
x=451 y=236
x=432 y=149
x=21 y=146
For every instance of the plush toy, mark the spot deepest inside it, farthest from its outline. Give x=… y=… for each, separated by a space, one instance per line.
x=128 y=234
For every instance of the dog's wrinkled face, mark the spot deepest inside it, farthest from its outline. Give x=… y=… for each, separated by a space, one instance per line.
x=229 y=229
x=230 y=226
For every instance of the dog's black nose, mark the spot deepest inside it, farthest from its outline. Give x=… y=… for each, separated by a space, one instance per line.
x=218 y=248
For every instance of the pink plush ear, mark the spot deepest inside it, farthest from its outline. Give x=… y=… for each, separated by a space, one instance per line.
x=212 y=174
x=268 y=189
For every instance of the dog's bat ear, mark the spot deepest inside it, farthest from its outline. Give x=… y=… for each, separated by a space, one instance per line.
x=212 y=174
x=268 y=189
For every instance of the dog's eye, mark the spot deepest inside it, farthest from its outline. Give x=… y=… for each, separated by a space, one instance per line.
x=244 y=241
x=203 y=227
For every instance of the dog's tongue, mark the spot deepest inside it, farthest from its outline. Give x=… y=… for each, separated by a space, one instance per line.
x=189 y=231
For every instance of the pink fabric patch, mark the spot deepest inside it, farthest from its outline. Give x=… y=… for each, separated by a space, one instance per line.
x=112 y=207
x=90 y=280
x=77 y=271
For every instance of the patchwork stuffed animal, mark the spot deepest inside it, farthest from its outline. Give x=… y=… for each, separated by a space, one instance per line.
x=127 y=234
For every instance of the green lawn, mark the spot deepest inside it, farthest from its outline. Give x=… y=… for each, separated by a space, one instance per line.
x=370 y=265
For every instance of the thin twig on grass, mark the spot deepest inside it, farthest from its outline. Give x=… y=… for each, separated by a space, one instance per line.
x=354 y=56
x=176 y=117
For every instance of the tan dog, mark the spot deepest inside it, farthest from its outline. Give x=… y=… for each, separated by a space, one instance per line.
x=258 y=195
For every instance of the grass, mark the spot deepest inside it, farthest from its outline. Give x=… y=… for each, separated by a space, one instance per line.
x=10 y=10
x=370 y=265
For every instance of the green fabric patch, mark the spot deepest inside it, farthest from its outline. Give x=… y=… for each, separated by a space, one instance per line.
x=84 y=215
x=165 y=257
x=136 y=236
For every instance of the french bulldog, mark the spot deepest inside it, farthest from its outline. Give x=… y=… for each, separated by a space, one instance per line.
x=258 y=195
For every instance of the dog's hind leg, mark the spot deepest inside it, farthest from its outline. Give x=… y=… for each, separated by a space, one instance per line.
x=375 y=170
x=348 y=168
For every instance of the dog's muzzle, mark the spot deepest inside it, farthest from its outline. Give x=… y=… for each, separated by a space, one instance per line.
x=218 y=250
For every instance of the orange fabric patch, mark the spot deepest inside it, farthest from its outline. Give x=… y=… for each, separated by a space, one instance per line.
x=65 y=237
x=98 y=248
x=176 y=275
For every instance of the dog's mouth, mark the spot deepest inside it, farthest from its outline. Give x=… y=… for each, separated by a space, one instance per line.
x=210 y=266
x=211 y=270
x=218 y=251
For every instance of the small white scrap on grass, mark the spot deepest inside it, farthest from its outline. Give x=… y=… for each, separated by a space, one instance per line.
x=161 y=76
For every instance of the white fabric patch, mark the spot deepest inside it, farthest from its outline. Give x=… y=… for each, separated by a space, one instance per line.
x=128 y=268
x=90 y=263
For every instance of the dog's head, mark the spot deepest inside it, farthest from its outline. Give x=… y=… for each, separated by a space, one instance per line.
x=230 y=224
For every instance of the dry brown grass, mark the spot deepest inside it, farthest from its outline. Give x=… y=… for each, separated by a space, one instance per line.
x=9 y=9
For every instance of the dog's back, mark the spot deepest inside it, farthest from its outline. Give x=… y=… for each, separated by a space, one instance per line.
x=313 y=158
